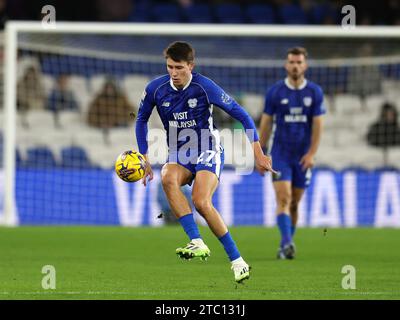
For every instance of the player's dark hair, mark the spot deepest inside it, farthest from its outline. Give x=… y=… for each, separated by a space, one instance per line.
x=179 y=51
x=297 y=51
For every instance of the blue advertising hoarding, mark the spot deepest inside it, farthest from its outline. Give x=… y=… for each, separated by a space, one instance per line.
x=98 y=197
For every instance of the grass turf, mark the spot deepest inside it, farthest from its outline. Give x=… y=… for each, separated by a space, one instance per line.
x=140 y=263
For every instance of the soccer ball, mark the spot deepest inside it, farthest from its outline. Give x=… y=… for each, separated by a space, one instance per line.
x=130 y=166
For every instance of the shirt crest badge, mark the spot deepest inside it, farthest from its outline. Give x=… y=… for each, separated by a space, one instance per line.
x=307 y=101
x=192 y=103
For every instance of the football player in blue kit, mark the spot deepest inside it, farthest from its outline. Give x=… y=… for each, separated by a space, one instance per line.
x=184 y=101
x=292 y=124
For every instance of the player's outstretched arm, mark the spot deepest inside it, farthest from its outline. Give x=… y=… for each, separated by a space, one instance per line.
x=148 y=171
x=262 y=162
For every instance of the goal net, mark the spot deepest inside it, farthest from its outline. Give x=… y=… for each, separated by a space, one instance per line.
x=71 y=94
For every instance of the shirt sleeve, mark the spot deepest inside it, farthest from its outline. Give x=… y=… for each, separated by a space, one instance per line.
x=269 y=106
x=319 y=107
x=145 y=109
x=218 y=97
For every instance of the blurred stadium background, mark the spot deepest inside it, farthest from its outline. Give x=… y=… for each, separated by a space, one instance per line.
x=75 y=90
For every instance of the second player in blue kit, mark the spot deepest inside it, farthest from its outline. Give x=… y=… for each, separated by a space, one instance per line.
x=292 y=124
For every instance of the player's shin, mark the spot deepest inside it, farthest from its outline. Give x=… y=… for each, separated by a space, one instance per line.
x=189 y=225
x=284 y=224
x=229 y=246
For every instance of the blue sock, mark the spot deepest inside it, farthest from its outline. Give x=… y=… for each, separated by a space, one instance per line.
x=284 y=224
x=190 y=226
x=230 y=246
x=292 y=230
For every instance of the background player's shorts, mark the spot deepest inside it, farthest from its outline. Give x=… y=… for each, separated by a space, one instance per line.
x=291 y=171
x=209 y=160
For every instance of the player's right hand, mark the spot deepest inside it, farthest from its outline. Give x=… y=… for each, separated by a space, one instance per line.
x=148 y=172
x=264 y=163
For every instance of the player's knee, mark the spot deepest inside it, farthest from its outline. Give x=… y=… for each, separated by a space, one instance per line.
x=294 y=206
x=202 y=205
x=169 y=182
x=284 y=199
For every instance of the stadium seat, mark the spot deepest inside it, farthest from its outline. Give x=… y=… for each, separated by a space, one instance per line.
x=198 y=13
x=348 y=138
x=348 y=156
x=260 y=13
x=40 y=158
x=80 y=87
x=74 y=157
x=347 y=104
x=70 y=120
x=166 y=12
x=96 y=83
x=229 y=13
x=124 y=138
x=133 y=86
x=366 y=156
x=319 y=12
x=292 y=14
x=329 y=138
x=103 y=157
x=254 y=104
x=90 y=137
x=328 y=103
x=390 y=86
x=48 y=84
x=362 y=122
x=40 y=118
x=140 y=12
x=336 y=122
x=373 y=104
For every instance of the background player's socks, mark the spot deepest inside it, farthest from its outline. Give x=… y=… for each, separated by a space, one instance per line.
x=284 y=224
x=229 y=246
x=190 y=226
x=292 y=230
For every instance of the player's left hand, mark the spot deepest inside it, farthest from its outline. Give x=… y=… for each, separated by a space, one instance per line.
x=307 y=161
x=148 y=173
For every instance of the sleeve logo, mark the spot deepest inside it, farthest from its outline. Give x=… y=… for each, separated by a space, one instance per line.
x=143 y=95
x=226 y=98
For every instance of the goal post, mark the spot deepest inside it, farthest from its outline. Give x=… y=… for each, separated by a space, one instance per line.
x=228 y=54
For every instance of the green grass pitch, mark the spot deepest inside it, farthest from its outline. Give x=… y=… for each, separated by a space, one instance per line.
x=140 y=263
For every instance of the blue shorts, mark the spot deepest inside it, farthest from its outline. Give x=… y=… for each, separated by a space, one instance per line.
x=209 y=160
x=291 y=170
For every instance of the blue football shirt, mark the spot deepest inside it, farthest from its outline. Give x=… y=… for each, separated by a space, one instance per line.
x=293 y=110
x=188 y=108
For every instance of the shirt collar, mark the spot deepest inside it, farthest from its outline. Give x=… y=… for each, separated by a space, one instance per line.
x=187 y=84
x=302 y=86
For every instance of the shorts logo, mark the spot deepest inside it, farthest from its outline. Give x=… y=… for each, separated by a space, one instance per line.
x=226 y=98
x=166 y=104
x=307 y=101
x=192 y=103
